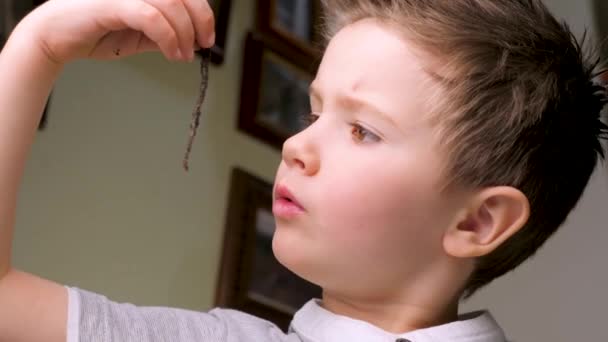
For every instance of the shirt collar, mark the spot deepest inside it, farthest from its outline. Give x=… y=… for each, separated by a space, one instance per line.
x=313 y=323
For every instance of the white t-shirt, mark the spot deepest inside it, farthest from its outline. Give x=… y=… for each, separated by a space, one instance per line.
x=94 y=318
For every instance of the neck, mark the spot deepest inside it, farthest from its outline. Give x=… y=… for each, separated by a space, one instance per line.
x=391 y=315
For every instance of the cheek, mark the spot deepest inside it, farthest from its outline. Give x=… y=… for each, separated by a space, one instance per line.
x=385 y=209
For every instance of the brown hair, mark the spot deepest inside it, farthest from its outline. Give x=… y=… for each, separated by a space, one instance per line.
x=520 y=104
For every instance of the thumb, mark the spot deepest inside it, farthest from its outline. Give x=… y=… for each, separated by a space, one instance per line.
x=147 y=45
x=123 y=43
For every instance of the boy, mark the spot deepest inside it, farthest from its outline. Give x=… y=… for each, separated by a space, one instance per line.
x=447 y=141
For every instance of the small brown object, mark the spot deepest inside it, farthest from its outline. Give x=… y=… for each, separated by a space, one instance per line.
x=117 y=52
x=196 y=114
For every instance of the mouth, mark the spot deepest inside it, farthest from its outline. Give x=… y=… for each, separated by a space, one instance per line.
x=285 y=204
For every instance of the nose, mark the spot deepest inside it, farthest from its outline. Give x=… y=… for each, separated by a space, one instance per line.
x=301 y=152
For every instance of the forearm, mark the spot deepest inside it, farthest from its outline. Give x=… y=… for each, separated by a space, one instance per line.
x=27 y=77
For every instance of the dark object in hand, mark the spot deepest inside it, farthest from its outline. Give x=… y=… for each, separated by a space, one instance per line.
x=196 y=114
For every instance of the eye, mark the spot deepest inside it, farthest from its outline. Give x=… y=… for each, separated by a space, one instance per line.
x=363 y=135
x=308 y=119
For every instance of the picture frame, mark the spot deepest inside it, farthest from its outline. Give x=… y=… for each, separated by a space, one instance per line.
x=274 y=89
x=600 y=14
x=250 y=278
x=221 y=10
x=292 y=22
x=11 y=12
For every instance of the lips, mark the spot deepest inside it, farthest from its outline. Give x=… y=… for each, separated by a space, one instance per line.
x=285 y=204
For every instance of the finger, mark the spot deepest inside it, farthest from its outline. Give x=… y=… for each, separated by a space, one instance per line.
x=203 y=20
x=147 y=45
x=179 y=18
x=143 y=17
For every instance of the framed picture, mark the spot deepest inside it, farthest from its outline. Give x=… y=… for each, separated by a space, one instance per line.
x=251 y=279
x=274 y=90
x=11 y=12
x=221 y=10
x=295 y=22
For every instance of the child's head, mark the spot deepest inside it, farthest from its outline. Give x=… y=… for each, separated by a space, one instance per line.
x=449 y=140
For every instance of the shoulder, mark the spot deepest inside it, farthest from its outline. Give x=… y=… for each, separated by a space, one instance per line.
x=242 y=319
x=94 y=316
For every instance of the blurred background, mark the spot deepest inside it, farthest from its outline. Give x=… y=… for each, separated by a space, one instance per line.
x=106 y=206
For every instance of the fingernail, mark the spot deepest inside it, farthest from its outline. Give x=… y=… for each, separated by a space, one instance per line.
x=211 y=40
x=178 y=55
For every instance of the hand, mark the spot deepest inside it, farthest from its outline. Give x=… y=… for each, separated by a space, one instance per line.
x=109 y=29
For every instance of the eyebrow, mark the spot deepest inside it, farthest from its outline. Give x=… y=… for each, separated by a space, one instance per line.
x=352 y=102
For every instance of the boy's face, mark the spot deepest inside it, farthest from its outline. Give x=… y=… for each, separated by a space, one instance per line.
x=366 y=172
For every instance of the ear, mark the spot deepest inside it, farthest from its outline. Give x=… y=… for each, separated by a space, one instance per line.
x=494 y=215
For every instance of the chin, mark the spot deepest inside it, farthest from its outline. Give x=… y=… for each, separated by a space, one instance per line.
x=293 y=256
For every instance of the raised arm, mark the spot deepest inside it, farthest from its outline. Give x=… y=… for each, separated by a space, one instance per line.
x=31 y=308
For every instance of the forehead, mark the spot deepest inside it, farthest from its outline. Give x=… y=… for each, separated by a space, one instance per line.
x=370 y=60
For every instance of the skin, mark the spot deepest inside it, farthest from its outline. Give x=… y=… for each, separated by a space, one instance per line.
x=369 y=191
x=376 y=233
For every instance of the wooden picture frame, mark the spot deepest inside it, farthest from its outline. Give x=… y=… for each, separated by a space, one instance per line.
x=274 y=89
x=221 y=10
x=295 y=23
x=250 y=279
